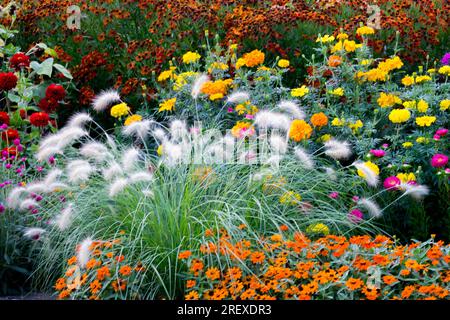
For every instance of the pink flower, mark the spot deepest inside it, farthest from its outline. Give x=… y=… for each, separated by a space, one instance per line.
x=355 y=216
x=334 y=195
x=249 y=116
x=441 y=132
x=378 y=153
x=439 y=160
x=436 y=137
x=230 y=110
x=391 y=182
x=385 y=146
x=355 y=198
x=447 y=170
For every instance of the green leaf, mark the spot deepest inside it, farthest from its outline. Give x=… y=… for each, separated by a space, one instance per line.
x=63 y=70
x=51 y=52
x=44 y=68
x=13 y=97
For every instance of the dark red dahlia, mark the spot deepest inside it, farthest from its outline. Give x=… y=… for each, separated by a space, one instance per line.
x=10 y=135
x=23 y=113
x=19 y=60
x=39 y=119
x=8 y=81
x=55 y=92
x=48 y=105
x=4 y=118
x=9 y=152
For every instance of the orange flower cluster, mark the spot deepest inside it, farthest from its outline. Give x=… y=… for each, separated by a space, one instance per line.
x=105 y=276
x=292 y=266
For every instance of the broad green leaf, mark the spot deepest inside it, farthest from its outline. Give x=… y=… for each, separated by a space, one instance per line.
x=13 y=97
x=46 y=67
x=63 y=70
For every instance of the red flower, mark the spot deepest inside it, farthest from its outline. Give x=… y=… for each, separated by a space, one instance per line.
x=8 y=81
x=10 y=135
x=39 y=119
x=4 y=118
x=19 y=60
x=23 y=113
x=9 y=152
x=55 y=92
x=48 y=105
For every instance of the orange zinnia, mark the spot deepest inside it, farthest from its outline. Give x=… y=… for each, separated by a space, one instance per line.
x=354 y=283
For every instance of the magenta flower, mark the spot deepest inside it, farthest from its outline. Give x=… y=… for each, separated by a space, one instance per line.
x=385 y=145
x=2 y=208
x=446 y=59
x=355 y=216
x=378 y=153
x=355 y=198
x=447 y=170
x=439 y=160
x=441 y=132
x=436 y=137
x=334 y=195
x=391 y=182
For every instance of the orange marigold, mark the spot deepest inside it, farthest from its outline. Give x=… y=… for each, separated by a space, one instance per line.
x=212 y=273
x=354 y=283
x=125 y=270
x=254 y=58
x=184 y=254
x=300 y=130
x=319 y=119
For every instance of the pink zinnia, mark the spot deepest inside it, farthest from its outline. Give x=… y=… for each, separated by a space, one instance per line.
x=391 y=182
x=334 y=195
x=378 y=153
x=441 y=132
x=439 y=160
x=355 y=216
x=436 y=137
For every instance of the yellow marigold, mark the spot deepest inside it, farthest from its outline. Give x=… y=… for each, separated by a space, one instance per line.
x=420 y=79
x=215 y=87
x=411 y=104
x=445 y=70
x=254 y=58
x=342 y=36
x=319 y=119
x=408 y=81
x=182 y=79
x=324 y=138
x=300 y=130
x=366 y=62
x=390 y=64
x=299 y=92
x=431 y=71
x=167 y=105
x=365 y=30
x=444 y=105
x=290 y=197
x=216 y=96
x=132 y=119
x=318 y=228
x=167 y=74
x=425 y=121
x=337 y=92
x=240 y=63
x=422 y=140
x=422 y=106
x=388 y=100
x=338 y=122
x=407 y=144
x=406 y=177
x=283 y=63
x=325 y=39
x=372 y=166
x=399 y=115
x=242 y=129
x=374 y=75
x=120 y=110
x=356 y=126
x=191 y=57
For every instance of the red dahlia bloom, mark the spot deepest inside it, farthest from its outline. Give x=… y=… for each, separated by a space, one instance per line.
x=48 y=105
x=39 y=119
x=11 y=151
x=55 y=92
x=19 y=60
x=10 y=135
x=8 y=81
x=23 y=113
x=4 y=118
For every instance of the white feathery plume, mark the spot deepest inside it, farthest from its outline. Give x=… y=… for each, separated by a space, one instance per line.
x=28 y=204
x=57 y=186
x=50 y=140
x=371 y=206
x=159 y=134
x=33 y=233
x=178 y=129
x=292 y=108
x=305 y=158
x=278 y=144
x=102 y=101
x=68 y=135
x=148 y=193
x=64 y=219
x=138 y=129
x=173 y=152
x=416 y=191
x=274 y=161
x=269 y=119
x=112 y=171
x=238 y=97
x=141 y=176
x=79 y=119
x=129 y=159
x=370 y=176
x=79 y=171
x=94 y=150
x=331 y=173
x=52 y=176
x=44 y=154
x=117 y=186
x=198 y=85
x=13 y=199
x=37 y=187
x=84 y=252
x=338 y=150
x=72 y=165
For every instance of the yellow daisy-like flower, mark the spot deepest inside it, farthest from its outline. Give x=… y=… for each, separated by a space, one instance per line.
x=318 y=228
x=431 y=71
x=300 y=130
x=337 y=92
x=422 y=106
x=299 y=92
x=425 y=121
x=191 y=57
x=372 y=166
x=120 y=110
x=399 y=115
x=356 y=126
x=407 y=144
x=406 y=177
x=422 y=140
x=420 y=79
x=338 y=122
x=160 y=150
x=132 y=119
x=291 y=198
x=366 y=62
x=444 y=105
x=283 y=63
x=365 y=30
x=167 y=74
x=217 y=66
x=408 y=81
x=411 y=104
x=342 y=36
x=325 y=39
x=167 y=105
x=324 y=138
x=445 y=70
